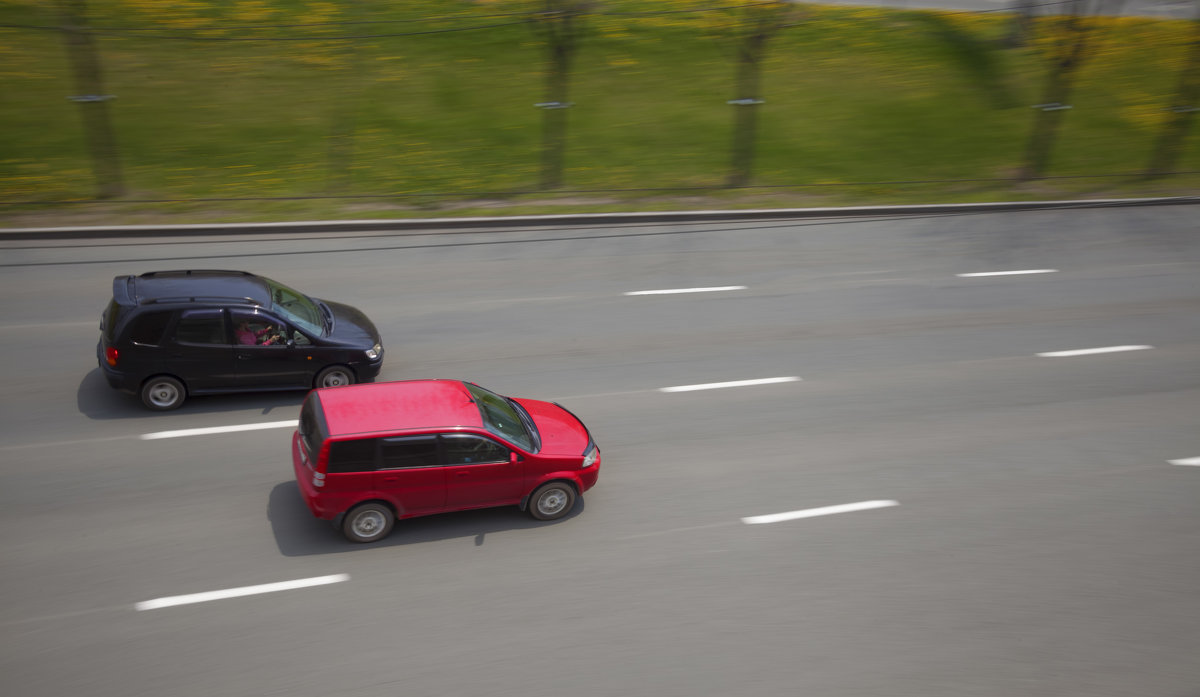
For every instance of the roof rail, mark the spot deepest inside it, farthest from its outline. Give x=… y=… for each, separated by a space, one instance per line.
x=201 y=298
x=189 y=272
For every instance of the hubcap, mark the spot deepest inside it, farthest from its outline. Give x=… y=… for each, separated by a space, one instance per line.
x=163 y=394
x=368 y=523
x=552 y=501
x=335 y=379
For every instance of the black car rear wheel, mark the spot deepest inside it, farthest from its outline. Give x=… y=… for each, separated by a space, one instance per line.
x=163 y=393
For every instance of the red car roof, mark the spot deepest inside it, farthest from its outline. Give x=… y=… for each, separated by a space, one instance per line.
x=392 y=406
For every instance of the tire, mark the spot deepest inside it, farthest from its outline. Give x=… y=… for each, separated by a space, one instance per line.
x=334 y=376
x=552 y=501
x=163 y=393
x=368 y=523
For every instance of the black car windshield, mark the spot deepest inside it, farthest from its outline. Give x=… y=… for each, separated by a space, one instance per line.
x=297 y=308
x=501 y=416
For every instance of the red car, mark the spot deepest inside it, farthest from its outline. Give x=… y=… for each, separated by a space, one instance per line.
x=365 y=455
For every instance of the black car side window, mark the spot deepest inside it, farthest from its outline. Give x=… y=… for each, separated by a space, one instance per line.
x=467 y=449
x=147 y=329
x=202 y=327
x=408 y=451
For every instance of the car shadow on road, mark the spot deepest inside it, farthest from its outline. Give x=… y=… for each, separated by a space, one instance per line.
x=298 y=533
x=97 y=401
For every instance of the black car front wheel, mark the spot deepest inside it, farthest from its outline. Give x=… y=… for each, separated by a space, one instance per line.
x=163 y=393
x=334 y=376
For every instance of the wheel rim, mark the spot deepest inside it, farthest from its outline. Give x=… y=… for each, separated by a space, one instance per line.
x=552 y=502
x=368 y=524
x=335 y=378
x=163 y=394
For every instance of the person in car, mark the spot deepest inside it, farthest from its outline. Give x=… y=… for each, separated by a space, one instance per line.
x=249 y=337
x=245 y=335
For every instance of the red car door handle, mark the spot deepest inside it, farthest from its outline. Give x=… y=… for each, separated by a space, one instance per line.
x=462 y=474
x=391 y=479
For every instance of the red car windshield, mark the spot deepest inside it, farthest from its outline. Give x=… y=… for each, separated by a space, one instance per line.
x=502 y=417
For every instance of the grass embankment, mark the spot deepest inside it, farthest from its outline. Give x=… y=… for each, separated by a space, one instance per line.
x=853 y=96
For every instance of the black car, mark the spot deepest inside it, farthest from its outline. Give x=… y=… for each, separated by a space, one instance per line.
x=169 y=334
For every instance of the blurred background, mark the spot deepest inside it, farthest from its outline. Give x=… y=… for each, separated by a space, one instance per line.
x=373 y=109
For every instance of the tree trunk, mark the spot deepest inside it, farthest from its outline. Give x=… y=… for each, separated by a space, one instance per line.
x=93 y=107
x=554 y=121
x=1045 y=125
x=343 y=121
x=745 y=114
x=1021 y=27
x=1169 y=144
x=1070 y=49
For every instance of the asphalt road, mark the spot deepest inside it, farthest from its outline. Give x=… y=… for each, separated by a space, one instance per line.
x=1041 y=541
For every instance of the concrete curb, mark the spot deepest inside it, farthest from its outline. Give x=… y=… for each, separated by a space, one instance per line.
x=339 y=226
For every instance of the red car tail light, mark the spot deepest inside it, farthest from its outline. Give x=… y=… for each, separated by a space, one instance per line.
x=110 y=356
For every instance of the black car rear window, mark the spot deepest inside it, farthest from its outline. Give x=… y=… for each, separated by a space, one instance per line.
x=112 y=315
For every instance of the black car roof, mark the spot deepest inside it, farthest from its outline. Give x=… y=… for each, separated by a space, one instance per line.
x=190 y=285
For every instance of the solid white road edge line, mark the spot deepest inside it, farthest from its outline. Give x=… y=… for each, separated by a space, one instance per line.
x=239 y=592
x=1005 y=273
x=217 y=429
x=670 y=291
x=1088 y=352
x=1187 y=462
x=719 y=385
x=813 y=512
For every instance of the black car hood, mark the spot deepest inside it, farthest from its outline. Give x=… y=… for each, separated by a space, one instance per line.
x=351 y=327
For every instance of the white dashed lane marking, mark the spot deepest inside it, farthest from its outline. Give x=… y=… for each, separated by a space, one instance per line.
x=1186 y=462
x=672 y=291
x=720 y=385
x=1090 y=351
x=1005 y=273
x=814 y=512
x=217 y=429
x=240 y=592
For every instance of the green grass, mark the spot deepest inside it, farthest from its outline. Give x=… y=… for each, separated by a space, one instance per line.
x=440 y=124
